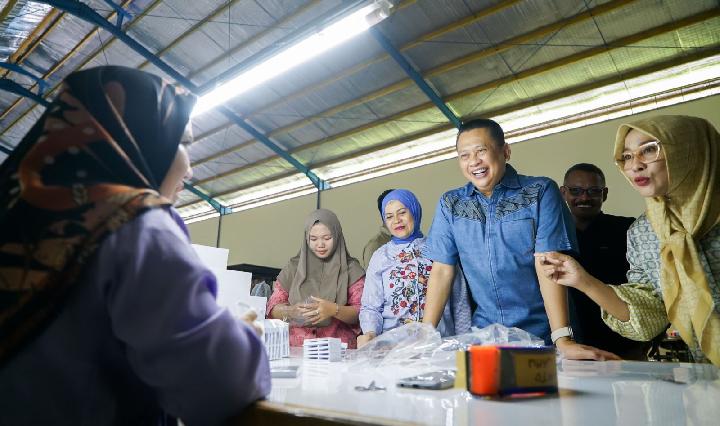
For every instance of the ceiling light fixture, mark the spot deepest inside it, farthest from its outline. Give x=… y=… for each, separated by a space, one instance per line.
x=296 y=54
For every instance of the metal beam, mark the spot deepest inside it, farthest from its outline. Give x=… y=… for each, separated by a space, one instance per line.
x=320 y=184
x=13 y=87
x=219 y=207
x=5 y=150
x=402 y=84
x=415 y=76
x=54 y=14
x=7 y=9
x=86 y=13
x=50 y=22
x=359 y=67
x=223 y=210
x=20 y=70
x=47 y=24
x=588 y=53
x=121 y=13
x=493 y=113
x=453 y=26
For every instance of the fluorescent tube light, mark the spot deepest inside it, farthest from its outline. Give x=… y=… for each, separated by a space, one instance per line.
x=656 y=90
x=294 y=55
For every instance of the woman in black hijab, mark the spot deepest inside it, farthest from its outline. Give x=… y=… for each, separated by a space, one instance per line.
x=107 y=316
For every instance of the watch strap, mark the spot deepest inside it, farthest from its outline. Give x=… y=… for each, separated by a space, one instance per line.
x=561 y=332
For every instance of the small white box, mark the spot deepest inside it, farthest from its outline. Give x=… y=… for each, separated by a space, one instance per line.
x=276 y=336
x=325 y=348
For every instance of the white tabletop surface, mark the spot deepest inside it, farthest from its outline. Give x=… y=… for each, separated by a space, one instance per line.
x=591 y=393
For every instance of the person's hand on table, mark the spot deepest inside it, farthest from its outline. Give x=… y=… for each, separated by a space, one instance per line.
x=573 y=350
x=318 y=310
x=364 y=339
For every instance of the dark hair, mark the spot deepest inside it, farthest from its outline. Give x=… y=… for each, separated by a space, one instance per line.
x=381 y=197
x=585 y=167
x=496 y=132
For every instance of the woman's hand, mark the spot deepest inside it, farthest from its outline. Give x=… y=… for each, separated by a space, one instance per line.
x=291 y=314
x=563 y=269
x=364 y=339
x=571 y=350
x=250 y=318
x=318 y=310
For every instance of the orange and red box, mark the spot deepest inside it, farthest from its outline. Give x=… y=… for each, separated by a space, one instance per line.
x=490 y=370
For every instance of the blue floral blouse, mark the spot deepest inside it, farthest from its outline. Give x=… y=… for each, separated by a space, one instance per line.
x=395 y=286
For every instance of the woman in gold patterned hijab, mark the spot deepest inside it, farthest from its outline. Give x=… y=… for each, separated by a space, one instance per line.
x=674 y=247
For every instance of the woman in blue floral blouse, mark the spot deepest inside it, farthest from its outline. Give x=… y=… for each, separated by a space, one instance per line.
x=397 y=276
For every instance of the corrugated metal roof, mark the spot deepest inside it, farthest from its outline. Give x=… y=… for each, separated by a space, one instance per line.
x=480 y=57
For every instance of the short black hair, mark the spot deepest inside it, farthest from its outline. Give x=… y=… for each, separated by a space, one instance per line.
x=382 y=197
x=496 y=132
x=585 y=167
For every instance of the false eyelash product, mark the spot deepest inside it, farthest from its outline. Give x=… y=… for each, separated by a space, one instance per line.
x=325 y=348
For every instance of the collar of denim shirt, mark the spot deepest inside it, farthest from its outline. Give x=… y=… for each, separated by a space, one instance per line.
x=509 y=180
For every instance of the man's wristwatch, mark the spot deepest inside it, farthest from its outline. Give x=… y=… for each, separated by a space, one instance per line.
x=561 y=332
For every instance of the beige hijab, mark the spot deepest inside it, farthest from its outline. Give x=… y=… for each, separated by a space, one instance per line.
x=689 y=211
x=307 y=275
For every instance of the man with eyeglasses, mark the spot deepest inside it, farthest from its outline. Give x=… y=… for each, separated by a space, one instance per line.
x=602 y=241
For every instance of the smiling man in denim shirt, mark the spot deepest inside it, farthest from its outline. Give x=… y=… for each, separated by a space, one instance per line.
x=493 y=226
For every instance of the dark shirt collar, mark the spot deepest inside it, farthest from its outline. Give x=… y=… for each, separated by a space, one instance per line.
x=509 y=180
x=597 y=219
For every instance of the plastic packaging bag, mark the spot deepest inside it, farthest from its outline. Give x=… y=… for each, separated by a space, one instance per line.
x=400 y=345
x=294 y=314
x=494 y=334
x=418 y=343
x=261 y=289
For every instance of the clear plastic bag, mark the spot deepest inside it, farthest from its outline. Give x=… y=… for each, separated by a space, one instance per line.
x=293 y=314
x=418 y=343
x=494 y=334
x=401 y=345
x=295 y=317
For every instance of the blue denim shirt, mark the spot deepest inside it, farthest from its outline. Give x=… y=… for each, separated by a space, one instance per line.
x=494 y=240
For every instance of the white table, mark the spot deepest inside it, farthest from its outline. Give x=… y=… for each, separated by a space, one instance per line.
x=592 y=393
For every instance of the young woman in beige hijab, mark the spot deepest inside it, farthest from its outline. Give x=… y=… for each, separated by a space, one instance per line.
x=319 y=291
x=674 y=247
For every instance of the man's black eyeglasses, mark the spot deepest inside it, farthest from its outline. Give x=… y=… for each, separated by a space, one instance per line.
x=593 y=191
